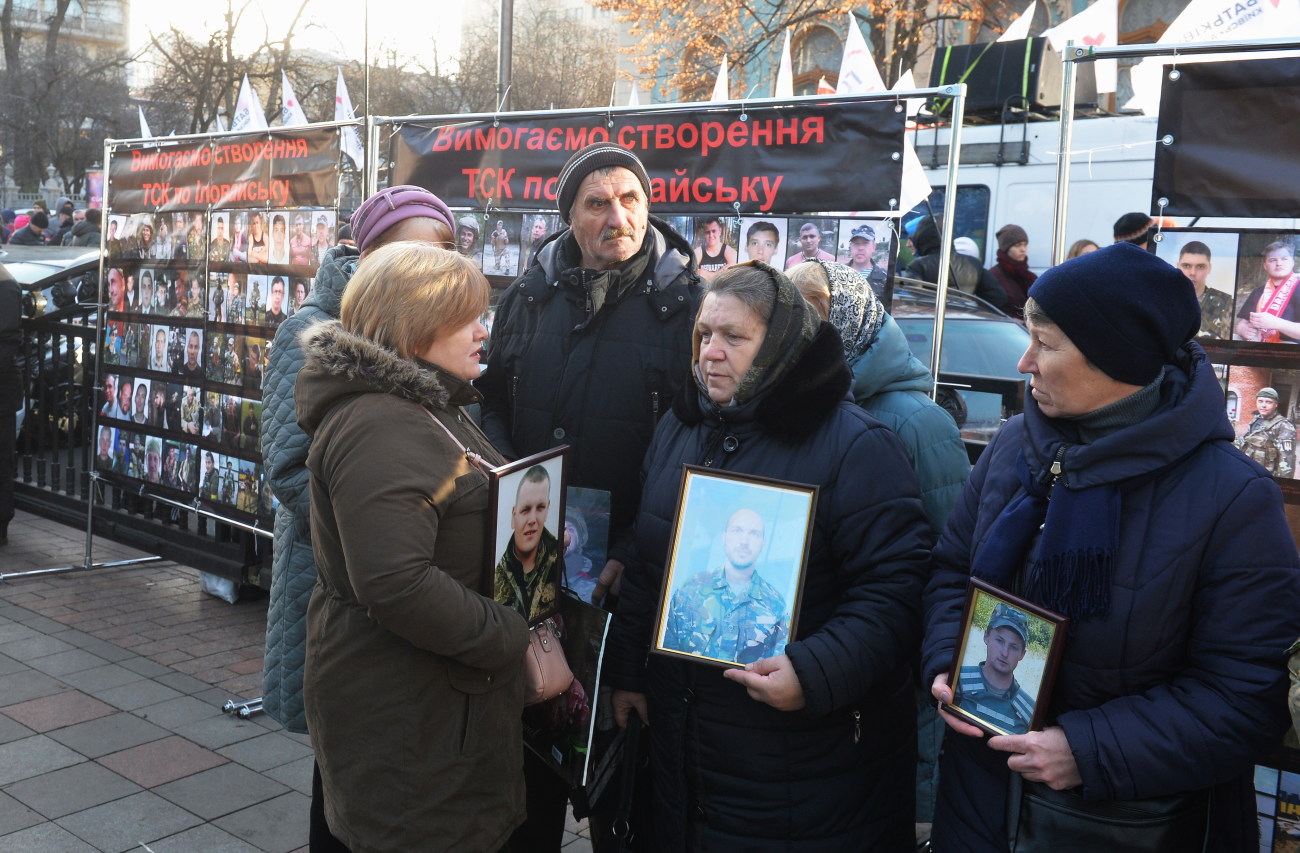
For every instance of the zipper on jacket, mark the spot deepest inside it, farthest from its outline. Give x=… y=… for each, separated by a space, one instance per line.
x=857 y=726
x=1057 y=462
x=654 y=408
x=514 y=399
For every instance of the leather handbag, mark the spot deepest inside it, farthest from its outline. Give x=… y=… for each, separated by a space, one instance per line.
x=546 y=670
x=1048 y=821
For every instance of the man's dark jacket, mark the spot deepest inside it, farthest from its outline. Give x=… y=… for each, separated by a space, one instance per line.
x=559 y=373
x=965 y=273
x=85 y=233
x=25 y=236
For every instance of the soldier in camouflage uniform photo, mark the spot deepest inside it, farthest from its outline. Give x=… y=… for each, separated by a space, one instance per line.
x=730 y=613
x=1270 y=438
x=989 y=689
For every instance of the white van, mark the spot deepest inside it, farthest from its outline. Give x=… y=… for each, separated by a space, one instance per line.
x=1007 y=174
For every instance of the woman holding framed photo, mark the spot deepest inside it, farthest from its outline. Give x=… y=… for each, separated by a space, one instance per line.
x=1168 y=551
x=414 y=681
x=812 y=745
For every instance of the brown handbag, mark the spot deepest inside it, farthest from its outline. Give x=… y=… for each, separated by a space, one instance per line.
x=546 y=670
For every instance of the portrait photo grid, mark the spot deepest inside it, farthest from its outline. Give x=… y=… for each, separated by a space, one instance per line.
x=193 y=302
x=1248 y=285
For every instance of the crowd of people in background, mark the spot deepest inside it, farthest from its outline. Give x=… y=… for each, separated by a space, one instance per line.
x=68 y=225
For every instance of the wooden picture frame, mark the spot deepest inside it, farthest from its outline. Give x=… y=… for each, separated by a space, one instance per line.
x=537 y=523
x=732 y=527
x=987 y=653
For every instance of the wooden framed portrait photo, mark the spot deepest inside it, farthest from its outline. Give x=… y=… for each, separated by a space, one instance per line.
x=735 y=570
x=1006 y=661
x=525 y=545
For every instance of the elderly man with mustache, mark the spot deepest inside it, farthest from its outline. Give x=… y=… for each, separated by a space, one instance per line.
x=588 y=347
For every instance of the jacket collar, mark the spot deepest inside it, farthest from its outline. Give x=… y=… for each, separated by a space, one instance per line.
x=339 y=363
x=1190 y=413
x=795 y=406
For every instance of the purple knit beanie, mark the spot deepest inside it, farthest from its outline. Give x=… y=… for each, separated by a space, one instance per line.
x=390 y=206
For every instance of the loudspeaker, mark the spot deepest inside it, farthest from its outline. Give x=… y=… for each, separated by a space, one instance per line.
x=996 y=71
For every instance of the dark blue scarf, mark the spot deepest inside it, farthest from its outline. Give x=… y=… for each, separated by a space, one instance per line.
x=1075 y=562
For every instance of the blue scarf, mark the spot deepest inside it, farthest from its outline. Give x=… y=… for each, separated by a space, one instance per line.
x=1071 y=573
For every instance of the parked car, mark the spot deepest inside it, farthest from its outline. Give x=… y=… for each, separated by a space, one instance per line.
x=978 y=380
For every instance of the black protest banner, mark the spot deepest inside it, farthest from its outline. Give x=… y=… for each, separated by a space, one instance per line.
x=246 y=171
x=792 y=159
x=1209 y=157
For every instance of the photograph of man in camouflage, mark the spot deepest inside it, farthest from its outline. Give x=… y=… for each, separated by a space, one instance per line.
x=1270 y=437
x=730 y=612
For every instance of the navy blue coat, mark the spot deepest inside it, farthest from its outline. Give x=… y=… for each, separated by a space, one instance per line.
x=731 y=773
x=1183 y=683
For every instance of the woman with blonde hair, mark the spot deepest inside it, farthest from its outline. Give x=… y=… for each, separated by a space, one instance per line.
x=399 y=516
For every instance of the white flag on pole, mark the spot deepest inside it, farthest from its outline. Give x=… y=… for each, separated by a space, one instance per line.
x=720 y=87
x=1208 y=20
x=633 y=99
x=1096 y=26
x=858 y=72
x=785 y=73
x=351 y=139
x=248 y=110
x=1019 y=28
x=144 y=125
x=221 y=125
x=291 y=113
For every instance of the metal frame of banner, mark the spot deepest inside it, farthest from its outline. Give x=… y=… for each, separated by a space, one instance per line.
x=956 y=91
x=1074 y=54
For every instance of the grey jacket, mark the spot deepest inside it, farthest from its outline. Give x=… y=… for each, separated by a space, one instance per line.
x=284 y=453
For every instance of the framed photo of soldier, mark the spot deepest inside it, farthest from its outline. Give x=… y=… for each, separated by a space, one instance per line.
x=1261 y=405
x=1005 y=662
x=526 y=501
x=735 y=570
x=1209 y=259
x=536 y=228
x=808 y=238
x=501 y=244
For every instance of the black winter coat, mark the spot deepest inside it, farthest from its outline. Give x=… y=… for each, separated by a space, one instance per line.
x=559 y=374
x=964 y=273
x=731 y=773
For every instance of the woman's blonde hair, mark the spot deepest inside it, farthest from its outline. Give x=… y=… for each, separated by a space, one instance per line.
x=408 y=293
x=815 y=285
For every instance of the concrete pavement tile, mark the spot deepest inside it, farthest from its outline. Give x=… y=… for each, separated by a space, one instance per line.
x=72 y=789
x=216 y=732
x=44 y=838
x=12 y=730
x=41 y=624
x=101 y=678
x=161 y=761
x=28 y=684
x=34 y=647
x=295 y=774
x=182 y=682
x=276 y=826
x=8 y=666
x=15 y=816
x=265 y=751
x=11 y=631
x=177 y=712
x=63 y=663
x=137 y=694
x=34 y=756
x=146 y=667
x=207 y=838
x=124 y=824
x=55 y=712
x=107 y=650
x=109 y=734
x=220 y=791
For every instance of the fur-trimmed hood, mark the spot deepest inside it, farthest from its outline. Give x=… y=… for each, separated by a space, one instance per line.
x=796 y=405
x=341 y=364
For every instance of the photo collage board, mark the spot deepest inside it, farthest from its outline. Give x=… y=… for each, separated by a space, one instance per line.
x=1248 y=283
x=505 y=243
x=193 y=302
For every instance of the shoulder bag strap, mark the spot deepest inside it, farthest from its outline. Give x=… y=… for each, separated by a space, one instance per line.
x=473 y=458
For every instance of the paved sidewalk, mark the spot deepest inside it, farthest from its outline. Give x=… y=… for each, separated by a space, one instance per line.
x=112 y=736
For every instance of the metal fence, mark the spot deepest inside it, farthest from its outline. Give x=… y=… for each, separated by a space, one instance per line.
x=56 y=456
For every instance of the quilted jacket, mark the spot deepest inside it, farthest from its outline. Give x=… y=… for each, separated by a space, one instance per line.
x=284 y=453
x=1182 y=684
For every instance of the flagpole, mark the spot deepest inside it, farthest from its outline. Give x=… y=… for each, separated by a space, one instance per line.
x=367 y=184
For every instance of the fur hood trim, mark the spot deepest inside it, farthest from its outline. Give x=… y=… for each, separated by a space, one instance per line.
x=332 y=350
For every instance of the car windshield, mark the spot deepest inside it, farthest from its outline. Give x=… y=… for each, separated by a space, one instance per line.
x=983 y=347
